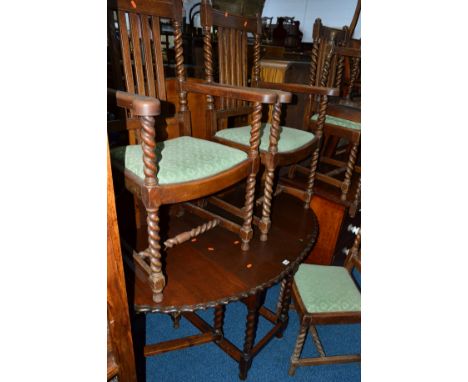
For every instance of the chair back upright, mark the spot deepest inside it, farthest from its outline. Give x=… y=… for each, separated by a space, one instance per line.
x=230 y=66
x=324 y=60
x=344 y=66
x=140 y=27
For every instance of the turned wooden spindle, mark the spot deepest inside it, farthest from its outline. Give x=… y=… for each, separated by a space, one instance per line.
x=156 y=278
x=315 y=156
x=246 y=230
x=184 y=236
x=354 y=75
x=298 y=349
x=339 y=71
x=357 y=196
x=256 y=61
x=349 y=171
x=270 y=172
x=328 y=59
x=313 y=63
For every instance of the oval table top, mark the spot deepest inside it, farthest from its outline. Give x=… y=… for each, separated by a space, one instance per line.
x=213 y=270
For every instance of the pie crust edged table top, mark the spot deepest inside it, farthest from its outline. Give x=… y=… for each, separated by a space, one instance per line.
x=212 y=269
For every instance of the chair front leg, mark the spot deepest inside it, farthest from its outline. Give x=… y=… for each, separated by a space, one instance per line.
x=298 y=347
x=156 y=276
x=270 y=173
x=246 y=231
x=349 y=170
x=315 y=156
x=357 y=197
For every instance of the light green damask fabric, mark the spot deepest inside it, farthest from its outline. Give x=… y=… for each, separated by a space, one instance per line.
x=290 y=139
x=325 y=288
x=181 y=159
x=339 y=122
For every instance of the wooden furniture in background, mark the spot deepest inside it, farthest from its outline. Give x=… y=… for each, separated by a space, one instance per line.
x=326 y=295
x=120 y=356
x=185 y=168
x=278 y=146
x=211 y=272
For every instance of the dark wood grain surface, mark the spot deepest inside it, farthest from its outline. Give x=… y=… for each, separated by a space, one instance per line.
x=213 y=269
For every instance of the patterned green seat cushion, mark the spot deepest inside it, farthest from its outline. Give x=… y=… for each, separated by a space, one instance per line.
x=181 y=159
x=290 y=139
x=339 y=122
x=325 y=288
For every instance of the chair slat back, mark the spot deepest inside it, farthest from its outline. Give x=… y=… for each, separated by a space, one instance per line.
x=345 y=61
x=231 y=32
x=337 y=37
x=140 y=23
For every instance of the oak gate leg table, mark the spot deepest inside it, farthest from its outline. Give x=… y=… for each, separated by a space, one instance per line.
x=211 y=271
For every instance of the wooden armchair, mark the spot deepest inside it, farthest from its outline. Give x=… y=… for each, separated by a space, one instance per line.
x=342 y=128
x=326 y=294
x=279 y=145
x=184 y=168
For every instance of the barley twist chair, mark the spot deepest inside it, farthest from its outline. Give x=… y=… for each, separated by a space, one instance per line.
x=325 y=294
x=279 y=145
x=184 y=168
x=342 y=127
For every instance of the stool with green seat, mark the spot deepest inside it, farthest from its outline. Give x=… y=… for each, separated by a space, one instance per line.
x=325 y=294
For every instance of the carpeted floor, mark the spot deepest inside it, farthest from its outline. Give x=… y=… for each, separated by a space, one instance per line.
x=209 y=363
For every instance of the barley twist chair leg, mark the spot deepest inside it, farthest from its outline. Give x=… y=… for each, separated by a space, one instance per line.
x=315 y=156
x=246 y=231
x=311 y=179
x=349 y=171
x=270 y=173
x=354 y=206
x=266 y=208
x=156 y=276
x=298 y=349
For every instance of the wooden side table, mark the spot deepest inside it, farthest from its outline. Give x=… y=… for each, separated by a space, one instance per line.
x=212 y=271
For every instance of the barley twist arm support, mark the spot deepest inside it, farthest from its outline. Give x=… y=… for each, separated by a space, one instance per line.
x=315 y=156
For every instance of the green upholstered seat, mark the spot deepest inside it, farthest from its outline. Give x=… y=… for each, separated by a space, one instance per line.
x=181 y=159
x=339 y=122
x=325 y=288
x=290 y=139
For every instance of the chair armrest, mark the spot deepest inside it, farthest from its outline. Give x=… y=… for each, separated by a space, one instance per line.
x=238 y=92
x=138 y=105
x=300 y=88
